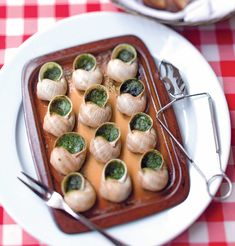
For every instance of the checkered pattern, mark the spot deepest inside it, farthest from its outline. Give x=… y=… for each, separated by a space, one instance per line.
x=19 y=19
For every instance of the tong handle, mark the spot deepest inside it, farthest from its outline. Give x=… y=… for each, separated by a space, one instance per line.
x=221 y=175
x=213 y=123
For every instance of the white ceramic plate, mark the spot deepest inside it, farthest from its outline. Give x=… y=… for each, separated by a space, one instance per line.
x=197 y=12
x=29 y=211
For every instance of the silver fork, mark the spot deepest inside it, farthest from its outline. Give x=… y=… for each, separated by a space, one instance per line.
x=55 y=200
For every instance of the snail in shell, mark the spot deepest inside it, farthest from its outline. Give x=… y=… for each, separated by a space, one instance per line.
x=153 y=173
x=132 y=97
x=51 y=81
x=123 y=64
x=115 y=184
x=69 y=153
x=78 y=193
x=95 y=108
x=106 y=143
x=86 y=72
x=141 y=134
x=60 y=117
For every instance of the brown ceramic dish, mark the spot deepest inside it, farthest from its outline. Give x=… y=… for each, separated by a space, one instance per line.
x=141 y=203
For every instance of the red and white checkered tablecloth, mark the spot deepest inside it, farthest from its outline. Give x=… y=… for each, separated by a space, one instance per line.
x=19 y=19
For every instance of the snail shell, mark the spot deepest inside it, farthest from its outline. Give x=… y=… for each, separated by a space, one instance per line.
x=115 y=186
x=86 y=72
x=69 y=153
x=153 y=173
x=95 y=110
x=132 y=97
x=79 y=194
x=60 y=117
x=123 y=64
x=141 y=134
x=51 y=81
x=106 y=144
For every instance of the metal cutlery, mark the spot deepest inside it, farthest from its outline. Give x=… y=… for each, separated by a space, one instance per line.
x=55 y=200
x=176 y=88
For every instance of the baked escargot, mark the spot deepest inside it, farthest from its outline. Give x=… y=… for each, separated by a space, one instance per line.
x=115 y=184
x=69 y=153
x=95 y=108
x=132 y=97
x=106 y=143
x=86 y=72
x=123 y=64
x=51 y=81
x=60 y=117
x=141 y=134
x=78 y=193
x=153 y=173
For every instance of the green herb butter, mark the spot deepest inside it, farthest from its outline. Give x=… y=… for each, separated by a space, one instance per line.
x=141 y=122
x=60 y=105
x=52 y=73
x=132 y=86
x=125 y=55
x=108 y=131
x=114 y=170
x=72 y=142
x=73 y=182
x=85 y=62
x=152 y=160
x=97 y=96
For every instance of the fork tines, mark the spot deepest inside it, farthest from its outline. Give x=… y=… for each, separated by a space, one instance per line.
x=42 y=186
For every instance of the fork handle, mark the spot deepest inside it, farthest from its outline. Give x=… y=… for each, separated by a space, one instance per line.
x=92 y=226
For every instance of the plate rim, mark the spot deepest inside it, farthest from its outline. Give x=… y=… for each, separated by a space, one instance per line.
x=124 y=14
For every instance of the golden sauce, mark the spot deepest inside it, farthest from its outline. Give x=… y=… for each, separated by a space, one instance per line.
x=92 y=169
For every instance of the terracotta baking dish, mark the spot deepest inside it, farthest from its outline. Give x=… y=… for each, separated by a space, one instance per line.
x=141 y=203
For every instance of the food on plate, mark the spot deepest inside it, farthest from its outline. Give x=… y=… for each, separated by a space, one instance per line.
x=60 y=117
x=69 y=153
x=132 y=97
x=116 y=191
x=123 y=64
x=86 y=72
x=78 y=193
x=171 y=5
x=115 y=184
x=141 y=134
x=95 y=108
x=106 y=143
x=153 y=173
x=51 y=81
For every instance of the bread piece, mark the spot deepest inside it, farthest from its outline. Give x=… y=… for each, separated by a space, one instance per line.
x=181 y=4
x=170 y=5
x=158 y=4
